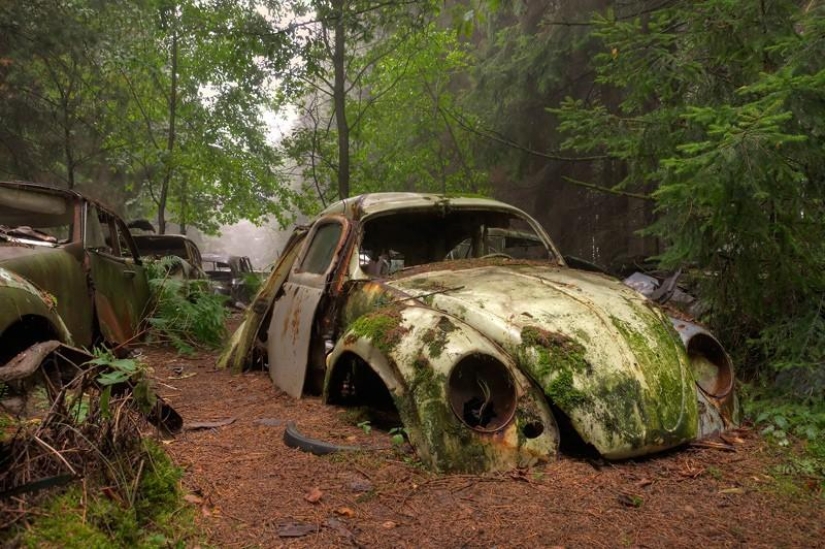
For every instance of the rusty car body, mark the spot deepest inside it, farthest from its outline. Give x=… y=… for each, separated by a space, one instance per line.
x=154 y=247
x=232 y=276
x=489 y=352
x=69 y=272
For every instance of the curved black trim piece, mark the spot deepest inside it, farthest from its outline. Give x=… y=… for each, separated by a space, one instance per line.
x=294 y=439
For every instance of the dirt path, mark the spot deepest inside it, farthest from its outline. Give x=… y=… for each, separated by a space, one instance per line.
x=256 y=492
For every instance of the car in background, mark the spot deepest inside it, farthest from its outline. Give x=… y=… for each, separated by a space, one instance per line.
x=232 y=276
x=157 y=246
x=70 y=273
x=460 y=316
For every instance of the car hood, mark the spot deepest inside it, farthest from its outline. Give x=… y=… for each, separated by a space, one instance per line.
x=603 y=354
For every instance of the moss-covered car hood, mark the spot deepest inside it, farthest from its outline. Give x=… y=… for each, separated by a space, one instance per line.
x=601 y=353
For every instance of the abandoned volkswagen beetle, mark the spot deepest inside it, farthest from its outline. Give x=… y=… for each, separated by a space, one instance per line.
x=69 y=273
x=461 y=315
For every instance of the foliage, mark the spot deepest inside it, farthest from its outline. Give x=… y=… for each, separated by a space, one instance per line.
x=786 y=421
x=152 y=102
x=81 y=519
x=522 y=60
x=728 y=139
x=402 y=136
x=186 y=312
x=397 y=435
x=376 y=105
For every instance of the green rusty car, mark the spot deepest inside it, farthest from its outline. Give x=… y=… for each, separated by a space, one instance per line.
x=460 y=316
x=69 y=273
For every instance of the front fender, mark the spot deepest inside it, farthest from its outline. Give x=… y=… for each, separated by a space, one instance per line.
x=20 y=299
x=415 y=351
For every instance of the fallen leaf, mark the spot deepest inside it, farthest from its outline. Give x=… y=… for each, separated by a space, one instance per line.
x=732 y=438
x=345 y=512
x=192 y=498
x=296 y=529
x=314 y=495
x=195 y=425
x=389 y=525
x=360 y=486
x=269 y=422
x=630 y=500
x=732 y=491
x=183 y=376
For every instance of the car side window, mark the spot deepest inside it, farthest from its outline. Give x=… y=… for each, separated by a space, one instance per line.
x=321 y=249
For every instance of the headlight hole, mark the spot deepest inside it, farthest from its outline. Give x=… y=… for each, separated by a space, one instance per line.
x=482 y=393
x=712 y=369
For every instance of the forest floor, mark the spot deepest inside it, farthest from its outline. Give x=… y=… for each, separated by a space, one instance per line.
x=253 y=491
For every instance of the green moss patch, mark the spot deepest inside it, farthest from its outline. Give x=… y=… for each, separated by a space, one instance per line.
x=157 y=516
x=382 y=327
x=556 y=352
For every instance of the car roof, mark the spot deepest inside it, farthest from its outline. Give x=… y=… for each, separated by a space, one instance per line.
x=366 y=205
x=69 y=194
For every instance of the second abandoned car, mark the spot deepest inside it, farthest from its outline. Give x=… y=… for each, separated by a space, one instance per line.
x=232 y=276
x=461 y=315
x=158 y=246
x=69 y=271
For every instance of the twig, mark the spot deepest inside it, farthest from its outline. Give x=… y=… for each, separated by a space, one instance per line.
x=55 y=452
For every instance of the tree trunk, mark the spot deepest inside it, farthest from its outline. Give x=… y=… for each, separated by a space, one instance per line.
x=170 y=142
x=339 y=100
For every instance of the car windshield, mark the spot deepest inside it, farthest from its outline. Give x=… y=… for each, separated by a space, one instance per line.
x=34 y=218
x=402 y=239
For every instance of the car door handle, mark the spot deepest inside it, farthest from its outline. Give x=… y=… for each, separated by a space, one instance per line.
x=129 y=274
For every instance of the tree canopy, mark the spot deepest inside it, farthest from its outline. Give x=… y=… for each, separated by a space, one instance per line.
x=156 y=103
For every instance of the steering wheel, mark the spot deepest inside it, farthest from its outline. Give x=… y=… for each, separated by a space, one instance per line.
x=496 y=254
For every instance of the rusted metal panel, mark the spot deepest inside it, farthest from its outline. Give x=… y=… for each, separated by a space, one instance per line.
x=20 y=299
x=243 y=341
x=416 y=358
x=619 y=373
x=289 y=336
x=120 y=295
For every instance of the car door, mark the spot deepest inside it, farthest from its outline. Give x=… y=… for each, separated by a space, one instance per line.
x=121 y=290
x=290 y=329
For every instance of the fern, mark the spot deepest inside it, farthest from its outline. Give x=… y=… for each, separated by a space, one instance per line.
x=186 y=313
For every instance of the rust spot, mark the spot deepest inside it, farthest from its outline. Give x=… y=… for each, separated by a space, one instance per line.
x=111 y=326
